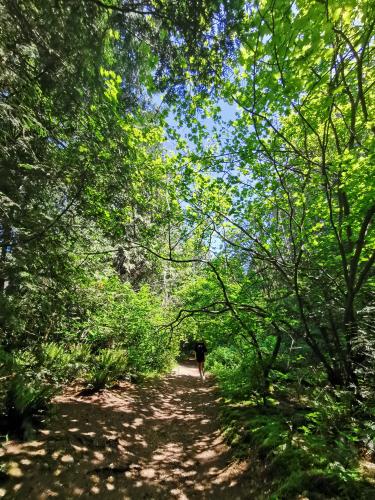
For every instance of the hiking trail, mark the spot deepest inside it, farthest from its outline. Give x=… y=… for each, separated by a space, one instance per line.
x=156 y=440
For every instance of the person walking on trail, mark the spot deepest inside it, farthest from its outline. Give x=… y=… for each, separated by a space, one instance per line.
x=200 y=351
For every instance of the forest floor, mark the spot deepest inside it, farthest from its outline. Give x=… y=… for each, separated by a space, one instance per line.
x=156 y=440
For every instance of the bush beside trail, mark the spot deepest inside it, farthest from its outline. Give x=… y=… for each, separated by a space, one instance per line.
x=308 y=440
x=120 y=339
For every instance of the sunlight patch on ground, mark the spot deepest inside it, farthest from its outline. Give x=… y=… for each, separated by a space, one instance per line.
x=158 y=440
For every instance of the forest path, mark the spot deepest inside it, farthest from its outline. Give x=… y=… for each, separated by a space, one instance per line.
x=156 y=440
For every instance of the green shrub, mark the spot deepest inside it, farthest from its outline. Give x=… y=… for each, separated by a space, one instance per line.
x=223 y=356
x=107 y=367
x=24 y=361
x=61 y=364
x=56 y=361
x=25 y=400
x=5 y=361
x=239 y=374
x=53 y=353
x=131 y=320
x=24 y=394
x=80 y=353
x=306 y=450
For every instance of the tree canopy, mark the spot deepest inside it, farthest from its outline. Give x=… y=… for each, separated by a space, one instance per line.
x=172 y=170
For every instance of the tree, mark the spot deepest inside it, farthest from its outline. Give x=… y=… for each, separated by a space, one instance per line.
x=287 y=189
x=80 y=138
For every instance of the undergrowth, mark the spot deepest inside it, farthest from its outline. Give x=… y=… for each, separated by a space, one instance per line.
x=108 y=366
x=308 y=440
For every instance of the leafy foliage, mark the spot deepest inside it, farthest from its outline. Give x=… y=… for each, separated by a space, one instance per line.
x=305 y=448
x=255 y=232
x=284 y=190
x=107 y=367
x=25 y=401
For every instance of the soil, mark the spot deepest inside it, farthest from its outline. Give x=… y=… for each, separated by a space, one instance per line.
x=156 y=440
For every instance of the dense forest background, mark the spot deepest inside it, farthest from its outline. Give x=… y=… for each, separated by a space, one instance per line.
x=203 y=169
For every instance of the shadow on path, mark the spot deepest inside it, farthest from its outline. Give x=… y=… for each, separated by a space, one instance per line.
x=158 y=440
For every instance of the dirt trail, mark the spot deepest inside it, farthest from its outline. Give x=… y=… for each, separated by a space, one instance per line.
x=158 y=440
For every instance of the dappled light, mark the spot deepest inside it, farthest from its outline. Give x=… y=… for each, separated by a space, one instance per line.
x=184 y=178
x=160 y=439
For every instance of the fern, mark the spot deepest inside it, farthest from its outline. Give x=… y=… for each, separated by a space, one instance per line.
x=26 y=400
x=109 y=365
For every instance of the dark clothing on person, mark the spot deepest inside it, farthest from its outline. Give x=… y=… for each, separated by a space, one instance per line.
x=200 y=350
